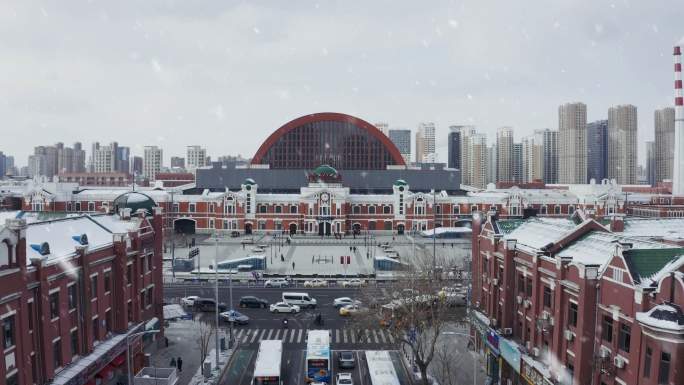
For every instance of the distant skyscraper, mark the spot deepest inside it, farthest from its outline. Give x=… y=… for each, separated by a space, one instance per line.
x=622 y=144
x=533 y=156
x=36 y=165
x=115 y=146
x=650 y=164
x=9 y=161
x=454 y=147
x=597 y=150
x=504 y=154
x=3 y=165
x=123 y=159
x=401 y=138
x=51 y=159
x=430 y=158
x=550 y=138
x=65 y=159
x=79 y=158
x=94 y=147
x=572 y=143
x=136 y=164
x=384 y=127
x=177 y=161
x=104 y=160
x=477 y=164
x=197 y=157
x=153 y=161
x=663 y=150
x=517 y=163
x=492 y=166
x=425 y=140
x=466 y=132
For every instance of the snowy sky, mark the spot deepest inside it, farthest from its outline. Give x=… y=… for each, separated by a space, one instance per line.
x=225 y=74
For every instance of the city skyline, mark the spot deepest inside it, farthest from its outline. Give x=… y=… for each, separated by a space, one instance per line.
x=161 y=77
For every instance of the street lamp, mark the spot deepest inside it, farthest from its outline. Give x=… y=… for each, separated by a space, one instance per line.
x=474 y=358
x=272 y=251
x=173 y=238
x=217 y=236
x=434 y=231
x=128 y=352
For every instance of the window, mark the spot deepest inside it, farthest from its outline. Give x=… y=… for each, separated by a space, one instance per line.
x=91 y=206
x=647 y=362
x=473 y=209
x=211 y=223
x=130 y=311
x=387 y=210
x=108 y=321
x=543 y=210
x=457 y=209
x=556 y=209
x=54 y=305
x=128 y=273
x=278 y=225
x=8 y=331
x=438 y=209
x=624 y=337
x=371 y=225
x=514 y=210
x=211 y=207
x=74 y=343
x=225 y=224
x=529 y=287
x=57 y=353
x=262 y=225
x=371 y=210
x=192 y=208
x=279 y=209
x=263 y=209
x=14 y=379
x=142 y=265
x=71 y=292
x=77 y=206
x=293 y=209
x=545 y=351
x=176 y=208
x=664 y=373
x=96 y=330
x=570 y=373
x=528 y=335
x=388 y=225
x=356 y=210
x=607 y=333
x=520 y=329
x=521 y=283
x=93 y=287
x=571 y=210
x=572 y=315
x=31 y=309
x=107 y=281
x=149 y=297
x=148 y=261
x=547 y=297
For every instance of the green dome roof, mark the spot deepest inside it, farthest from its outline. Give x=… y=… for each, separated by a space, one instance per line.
x=400 y=182
x=249 y=181
x=134 y=200
x=325 y=169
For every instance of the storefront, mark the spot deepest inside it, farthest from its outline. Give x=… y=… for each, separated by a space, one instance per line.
x=479 y=323
x=534 y=372
x=510 y=362
x=492 y=338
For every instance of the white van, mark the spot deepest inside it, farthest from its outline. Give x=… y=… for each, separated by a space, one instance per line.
x=299 y=299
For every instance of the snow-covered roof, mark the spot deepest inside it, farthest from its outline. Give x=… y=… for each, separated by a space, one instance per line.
x=114 y=225
x=74 y=369
x=665 y=316
x=652 y=227
x=534 y=233
x=446 y=230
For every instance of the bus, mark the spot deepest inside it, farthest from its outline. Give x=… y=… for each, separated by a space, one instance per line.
x=381 y=370
x=268 y=361
x=318 y=356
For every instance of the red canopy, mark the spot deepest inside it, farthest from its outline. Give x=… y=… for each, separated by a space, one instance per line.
x=105 y=371
x=118 y=361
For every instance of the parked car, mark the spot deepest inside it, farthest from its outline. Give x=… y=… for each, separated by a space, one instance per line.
x=344 y=301
x=247 y=240
x=346 y=359
x=237 y=318
x=190 y=300
x=316 y=283
x=282 y=307
x=350 y=310
x=208 y=304
x=234 y=234
x=277 y=282
x=344 y=379
x=354 y=283
x=250 y=301
x=377 y=302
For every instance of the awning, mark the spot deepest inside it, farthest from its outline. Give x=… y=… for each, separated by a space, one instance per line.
x=91 y=382
x=118 y=361
x=174 y=311
x=104 y=373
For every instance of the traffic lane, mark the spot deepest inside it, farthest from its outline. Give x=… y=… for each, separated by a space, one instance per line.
x=292 y=368
x=240 y=368
x=355 y=372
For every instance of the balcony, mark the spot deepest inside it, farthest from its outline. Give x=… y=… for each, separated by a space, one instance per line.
x=156 y=376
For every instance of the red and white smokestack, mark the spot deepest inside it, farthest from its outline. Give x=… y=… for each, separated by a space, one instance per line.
x=678 y=172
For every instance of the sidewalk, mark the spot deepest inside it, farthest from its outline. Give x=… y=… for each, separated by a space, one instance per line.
x=182 y=343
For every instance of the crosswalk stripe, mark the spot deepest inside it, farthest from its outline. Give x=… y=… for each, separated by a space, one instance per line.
x=276 y=336
x=375 y=334
x=292 y=334
x=367 y=337
x=269 y=334
x=299 y=336
x=337 y=335
x=382 y=334
x=284 y=335
x=239 y=334
x=247 y=335
x=254 y=336
x=198 y=316
x=390 y=337
x=262 y=335
x=344 y=334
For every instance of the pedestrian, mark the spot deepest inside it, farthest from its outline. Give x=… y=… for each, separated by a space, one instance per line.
x=173 y=362
x=452 y=245
x=243 y=246
x=193 y=317
x=293 y=265
x=312 y=259
x=350 y=248
x=180 y=364
x=359 y=338
x=443 y=246
x=282 y=258
x=392 y=239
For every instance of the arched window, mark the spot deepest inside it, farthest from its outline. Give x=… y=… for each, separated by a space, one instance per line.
x=457 y=209
x=387 y=210
x=557 y=209
x=543 y=210
x=571 y=210
x=371 y=210
x=229 y=206
x=419 y=207
x=356 y=210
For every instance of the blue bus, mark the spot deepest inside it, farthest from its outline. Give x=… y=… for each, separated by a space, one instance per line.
x=318 y=356
x=257 y=262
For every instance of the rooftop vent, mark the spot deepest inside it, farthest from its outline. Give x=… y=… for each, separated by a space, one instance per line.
x=43 y=248
x=81 y=239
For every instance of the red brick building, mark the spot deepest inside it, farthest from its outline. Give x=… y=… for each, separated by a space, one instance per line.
x=114 y=179
x=175 y=179
x=569 y=301
x=71 y=290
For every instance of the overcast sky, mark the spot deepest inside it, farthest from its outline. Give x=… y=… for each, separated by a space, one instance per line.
x=225 y=75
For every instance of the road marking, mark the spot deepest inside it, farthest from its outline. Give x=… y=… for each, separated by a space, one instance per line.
x=269 y=334
x=198 y=316
x=337 y=335
x=276 y=336
x=375 y=334
x=382 y=334
x=299 y=336
x=367 y=336
x=284 y=335
x=262 y=335
x=390 y=337
x=292 y=334
x=246 y=336
x=344 y=334
x=254 y=336
x=240 y=334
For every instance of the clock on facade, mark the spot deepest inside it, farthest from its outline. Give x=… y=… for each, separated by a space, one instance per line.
x=325 y=197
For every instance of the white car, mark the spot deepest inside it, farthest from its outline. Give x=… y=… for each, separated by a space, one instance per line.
x=344 y=379
x=316 y=283
x=276 y=282
x=190 y=300
x=283 y=307
x=350 y=310
x=344 y=301
x=354 y=283
x=249 y=240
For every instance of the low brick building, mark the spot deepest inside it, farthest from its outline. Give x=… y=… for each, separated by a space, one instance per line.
x=113 y=179
x=72 y=289
x=578 y=301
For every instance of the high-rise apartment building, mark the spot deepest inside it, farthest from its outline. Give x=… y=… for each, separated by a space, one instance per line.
x=177 y=162
x=517 y=163
x=454 y=147
x=384 y=127
x=572 y=143
x=430 y=158
x=79 y=158
x=533 y=157
x=650 y=164
x=104 y=160
x=153 y=161
x=597 y=150
x=136 y=164
x=115 y=146
x=3 y=165
x=550 y=140
x=622 y=144
x=36 y=166
x=51 y=159
x=425 y=140
x=65 y=160
x=197 y=157
x=504 y=149
x=401 y=138
x=492 y=165
x=663 y=148
x=466 y=132
x=123 y=155
x=477 y=164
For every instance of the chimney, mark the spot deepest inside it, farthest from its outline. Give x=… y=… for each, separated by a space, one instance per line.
x=617 y=223
x=126 y=214
x=142 y=213
x=678 y=173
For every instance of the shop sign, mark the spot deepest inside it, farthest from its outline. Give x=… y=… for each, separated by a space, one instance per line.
x=98 y=364
x=532 y=375
x=477 y=321
x=493 y=340
x=509 y=353
x=321 y=219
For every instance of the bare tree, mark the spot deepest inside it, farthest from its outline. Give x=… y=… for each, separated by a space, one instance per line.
x=448 y=366
x=418 y=308
x=203 y=336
